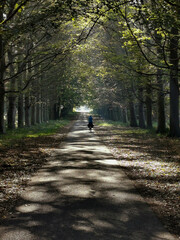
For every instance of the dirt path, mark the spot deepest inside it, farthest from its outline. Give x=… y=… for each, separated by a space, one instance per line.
x=81 y=193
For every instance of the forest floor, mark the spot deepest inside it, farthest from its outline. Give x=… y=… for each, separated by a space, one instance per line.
x=18 y=162
x=153 y=163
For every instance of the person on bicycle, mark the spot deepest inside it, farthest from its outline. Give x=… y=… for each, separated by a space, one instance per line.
x=90 y=122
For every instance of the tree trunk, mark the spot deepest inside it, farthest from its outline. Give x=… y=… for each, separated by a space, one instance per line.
x=124 y=115
x=47 y=111
x=33 y=111
x=11 y=112
x=148 y=106
x=119 y=113
x=133 y=121
x=2 y=96
x=141 y=109
x=109 y=115
x=20 y=110
x=115 y=113
x=58 y=110
x=174 y=88
x=28 y=98
x=2 y=69
x=12 y=96
x=38 y=103
x=161 y=128
x=42 y=112
x=52 y=111
x=20 y=103
x=105 y=112
x=27 y=110
x=112 y=113
x=38 y=108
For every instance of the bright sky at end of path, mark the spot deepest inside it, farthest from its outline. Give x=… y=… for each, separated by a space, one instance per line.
x=83 y=109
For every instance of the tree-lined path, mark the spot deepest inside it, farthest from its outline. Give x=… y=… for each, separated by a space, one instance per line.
x=81 y=193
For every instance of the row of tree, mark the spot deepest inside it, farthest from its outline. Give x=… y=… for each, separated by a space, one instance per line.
x=135 y=65
x=120 y=57
x=36 y=39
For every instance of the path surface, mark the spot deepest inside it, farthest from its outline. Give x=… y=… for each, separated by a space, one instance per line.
x=82 y=194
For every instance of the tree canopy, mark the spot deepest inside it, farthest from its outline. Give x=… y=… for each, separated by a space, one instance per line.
x=119 y=57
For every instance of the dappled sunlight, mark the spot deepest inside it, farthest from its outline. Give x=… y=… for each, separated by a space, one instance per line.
x=102 y=224
x=111 y=162
x=44 y=177
x=83 y=194
x=35 y=207
x=28 y=208
x=143 y=154
x=76 y=190
x=82 y=226
x=150 y=166
x=122 y=196
x=153 y=162
x=39 y=193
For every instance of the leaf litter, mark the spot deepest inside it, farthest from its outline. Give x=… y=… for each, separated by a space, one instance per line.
x=17 y=164
x=153 y=163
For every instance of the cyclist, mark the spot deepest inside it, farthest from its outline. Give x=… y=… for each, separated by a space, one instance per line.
x=90 y=122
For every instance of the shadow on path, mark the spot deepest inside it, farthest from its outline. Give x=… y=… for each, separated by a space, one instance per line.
x=81 y=193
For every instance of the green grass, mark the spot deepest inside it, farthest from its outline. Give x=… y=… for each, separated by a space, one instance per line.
x=107 y=123
x=128 y=130
x=44 y=129
x=139 y=131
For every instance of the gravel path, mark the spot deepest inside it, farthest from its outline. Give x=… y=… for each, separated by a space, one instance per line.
x=82 y=193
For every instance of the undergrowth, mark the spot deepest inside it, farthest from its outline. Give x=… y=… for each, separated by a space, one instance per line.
x=44 y=129
x=128 y=130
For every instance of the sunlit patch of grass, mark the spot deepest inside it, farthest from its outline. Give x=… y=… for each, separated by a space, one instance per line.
x=104 y=123
x=44 y=129
x=128 y=130
x=139 y=131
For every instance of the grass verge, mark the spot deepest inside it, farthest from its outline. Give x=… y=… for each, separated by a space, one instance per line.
x=130 y=130
x=44 y=129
